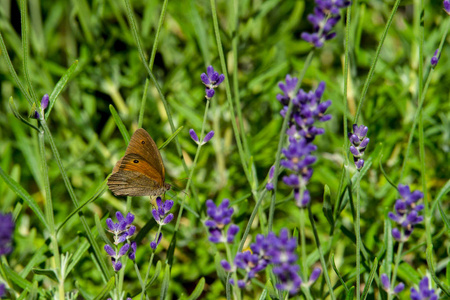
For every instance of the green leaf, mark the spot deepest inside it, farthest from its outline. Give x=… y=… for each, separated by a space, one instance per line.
x=271 y=290
x=263 y=294
x=448 y=273
x=219 y=269
x=333 y=265
x=155 y=274
x=431 y=266
x=77 y=256
x=20 y=191
x=165 y=283
x=59 y=87
x=327 y=207
x=385 y=175
x=444 y=217
x=198 y=289
x=109 y=286
x=119 y=123
x=101 y=189
x=370 y=279
x=16 y=113
x=350 y=293
x=47 y=272
x=388 y=241
x=171 y=250
x=15 y=278
x=170 y=138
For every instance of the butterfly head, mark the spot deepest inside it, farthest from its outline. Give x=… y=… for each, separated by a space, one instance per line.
x=167 y=186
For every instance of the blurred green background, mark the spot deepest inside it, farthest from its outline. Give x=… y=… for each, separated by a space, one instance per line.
x=109 y=72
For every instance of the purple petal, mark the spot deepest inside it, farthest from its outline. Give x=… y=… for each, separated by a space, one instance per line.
x=209 y=93
x=400 y=287
x=168 y=219
x=385 y=282
x=119 y=217
x=168 y=205
x=155 y=215
x=315 y=274
x=205 y=79
x=208 y=137
x=193 y=135
x=226 y=265
x=109 y=250
x=117 y=266
x=124 y=249
x=129 y=219
x=110 y=224
x=44 y=102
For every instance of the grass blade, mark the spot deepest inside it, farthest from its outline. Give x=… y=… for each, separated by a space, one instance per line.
x=165 y=283
x=119 y=123
x=198 y=289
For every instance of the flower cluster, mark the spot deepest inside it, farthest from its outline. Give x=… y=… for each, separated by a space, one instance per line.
x=306 y=111
x=447 y=6
x=424 y=292
x=220 y=216
x=6 y=233
x=387 y=285
x=325 y=17
x=359 y=143
x=211 y=80
x=162 y=216
x=44 y=103
x=278 y=251
x=406 y=212
x=435 y=59
x=122 y=231
x=207 y=138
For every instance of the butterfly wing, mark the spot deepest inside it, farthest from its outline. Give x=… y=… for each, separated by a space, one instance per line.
x=142 y=143
x=135 y=177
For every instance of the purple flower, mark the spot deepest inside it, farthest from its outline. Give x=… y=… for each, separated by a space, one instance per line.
x=116 y=255
x=447 y=6
x=44 y=105
x=211 y=80
x=193 y=135
x=132 y=254
x=406 y=212
x=424 y=292
x=314 y=276
x=2 y=290
x=6 y=233
x=155 y=243
x=387 y=285
x=123 y=229
x=220 y=216
x=434 y=60
x=359 y=143
x=208 y=137
x=161 y=213
x=288 y=89
x=269 y=185
x=324 y=18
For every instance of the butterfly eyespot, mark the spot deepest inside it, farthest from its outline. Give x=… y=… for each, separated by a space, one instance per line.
x=142 y=142
x=135 y=161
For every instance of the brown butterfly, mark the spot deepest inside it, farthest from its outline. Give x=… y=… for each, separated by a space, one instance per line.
x=141 y=171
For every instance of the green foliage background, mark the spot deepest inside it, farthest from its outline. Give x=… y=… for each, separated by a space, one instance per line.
x=109 y=72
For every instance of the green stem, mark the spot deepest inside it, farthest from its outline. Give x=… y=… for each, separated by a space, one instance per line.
x=358 y=236
x=322 y=259
x=191 y=173
x=228 y=92
x=397 y=262
x=152 y=60
x=374 y=63
x=73 y=197
x=237 y=291
x=281 y=140
x=150 y=264
x=303 y=242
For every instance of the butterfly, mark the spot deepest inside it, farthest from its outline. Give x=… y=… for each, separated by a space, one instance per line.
x=140 y=172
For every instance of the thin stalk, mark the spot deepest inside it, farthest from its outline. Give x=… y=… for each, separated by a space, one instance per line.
x=358 y=236
x=281 y=140
x=74 y=199
x=228 y=92
x=374 y=63
x=397 y=262
x=303 y=242
x=150 y=264
x=322 y=259
x=236 y=290
x=152 y=60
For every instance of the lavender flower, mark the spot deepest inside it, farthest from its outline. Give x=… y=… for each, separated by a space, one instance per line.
x=220 y=216
x=211 y=80
x=208 y=137
x=324 y=18
x=155 y=242
x=193 y=135
x=6 y=233
x=434 y=60
x=44 y=105
x=387 y=285
x=306 y=111
x=2 y=290
x=122 y=231
x=447 y=6
x=359 y=143
x=269 y=185
x=161 y=214
x=424 y=292
x=406 y=212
